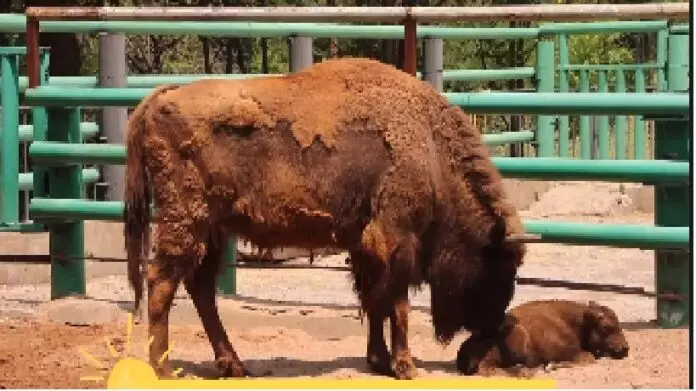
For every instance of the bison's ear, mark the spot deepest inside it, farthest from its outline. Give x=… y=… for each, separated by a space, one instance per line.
x=593 y=315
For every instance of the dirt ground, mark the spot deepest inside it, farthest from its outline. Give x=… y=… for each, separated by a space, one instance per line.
x=304 y=323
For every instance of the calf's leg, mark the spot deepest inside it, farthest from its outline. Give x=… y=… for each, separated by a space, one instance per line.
x=201 y=286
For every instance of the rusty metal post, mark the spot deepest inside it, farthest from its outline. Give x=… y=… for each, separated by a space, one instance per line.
x=410 y=46
x=33 y=63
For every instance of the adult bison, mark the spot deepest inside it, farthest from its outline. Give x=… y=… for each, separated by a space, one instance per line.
x=350 y=153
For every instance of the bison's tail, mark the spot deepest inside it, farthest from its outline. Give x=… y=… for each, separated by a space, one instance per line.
x=136 y=214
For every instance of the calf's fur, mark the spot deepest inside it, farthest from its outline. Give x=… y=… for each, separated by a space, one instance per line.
x=543 y=332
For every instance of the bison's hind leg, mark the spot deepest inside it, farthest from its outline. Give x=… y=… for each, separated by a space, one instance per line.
x=201 y=285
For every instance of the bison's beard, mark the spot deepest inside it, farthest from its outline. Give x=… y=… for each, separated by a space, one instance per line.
x=469 y=290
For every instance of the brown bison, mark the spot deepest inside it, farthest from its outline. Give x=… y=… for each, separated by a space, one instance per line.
x=545 y=332
x=349 y=153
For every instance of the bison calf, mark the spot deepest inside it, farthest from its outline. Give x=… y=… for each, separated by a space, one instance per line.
x=543 y=332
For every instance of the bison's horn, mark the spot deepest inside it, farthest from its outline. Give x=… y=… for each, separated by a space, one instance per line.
x=525 y=237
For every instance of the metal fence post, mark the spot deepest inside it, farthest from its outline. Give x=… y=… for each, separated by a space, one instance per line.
x=586 y=133
x=621 y=133
x=672 y=200
x=563 y=86
x=545 y=74
x=66 y=240
x=639 y=139
x=603 y=120
x=40 y=123
x=433 y=62
x=301 y=53
x=113 y=73
x=9 y=150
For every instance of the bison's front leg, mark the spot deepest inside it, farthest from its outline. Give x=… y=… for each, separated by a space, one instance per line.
x=377 y=352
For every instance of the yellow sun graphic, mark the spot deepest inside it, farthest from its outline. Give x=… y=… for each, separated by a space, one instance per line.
x=133 y=373
x=128 y=371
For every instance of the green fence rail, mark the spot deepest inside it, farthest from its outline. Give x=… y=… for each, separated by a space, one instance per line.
x=489 y=102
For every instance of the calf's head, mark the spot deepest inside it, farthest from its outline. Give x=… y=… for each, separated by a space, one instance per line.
x=602 y=333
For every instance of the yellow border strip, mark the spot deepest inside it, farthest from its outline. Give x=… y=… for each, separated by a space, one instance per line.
x=133 y=373
x=347 y=384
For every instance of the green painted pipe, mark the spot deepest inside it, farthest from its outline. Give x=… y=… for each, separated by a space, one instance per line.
x=151 y=81
x=488 y=102
x=680 y=29
x=571 y=103
x=26 y=179
x=16 y=23
x=62 y=153
x=9 y=152
x=140 y=81
x=23 y=228
x=602 y=27
x=508 y=137
x=621 y=235
x=45 y=152
x=88 y=129
x=488 y=74
x=51 y=153
x=605 y=67
x=647 y=171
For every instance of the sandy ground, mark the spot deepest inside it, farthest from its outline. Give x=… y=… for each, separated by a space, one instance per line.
x=304 y=322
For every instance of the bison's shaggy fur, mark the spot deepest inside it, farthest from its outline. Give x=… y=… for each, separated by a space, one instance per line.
x=545 y=332
x=349 y=153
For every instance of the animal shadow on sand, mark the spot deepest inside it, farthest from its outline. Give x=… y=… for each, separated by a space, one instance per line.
x=290 y=367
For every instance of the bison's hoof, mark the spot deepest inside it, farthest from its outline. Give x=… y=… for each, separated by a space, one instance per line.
x=164 y=371
x=231 y=367
x=466 y=364
x=404 y=369
x=380 y=364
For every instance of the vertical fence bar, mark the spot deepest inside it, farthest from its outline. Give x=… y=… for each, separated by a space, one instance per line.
x=301 y=53
x=672 y=200
x=603 y=119
x=661 y=59
x=9 y=171
x=564 y=120
x=585 y=130
x=40 y=123
x=410 y=45
x=545 y=74
x=66 y=240
x=620 y=119
x=433 y=62
x=639 y=123
x=227 y=281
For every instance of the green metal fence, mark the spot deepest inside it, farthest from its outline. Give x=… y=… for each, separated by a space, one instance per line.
x=60 y=156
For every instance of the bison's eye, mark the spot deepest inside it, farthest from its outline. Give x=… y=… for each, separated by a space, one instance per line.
x=607 y=329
